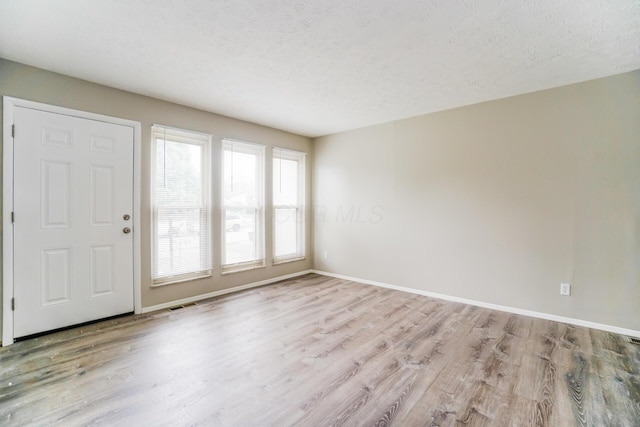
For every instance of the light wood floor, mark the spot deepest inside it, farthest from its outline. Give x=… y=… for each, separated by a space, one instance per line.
x=317 y=351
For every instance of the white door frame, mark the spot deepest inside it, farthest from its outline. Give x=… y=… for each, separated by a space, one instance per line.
x=9 y=104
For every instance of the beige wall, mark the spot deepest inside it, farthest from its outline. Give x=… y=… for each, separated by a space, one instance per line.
x=498 y=202
x=34 y=84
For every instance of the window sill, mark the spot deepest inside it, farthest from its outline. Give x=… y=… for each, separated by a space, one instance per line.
x=288 y=260
x=182 y=280
x=240 y=268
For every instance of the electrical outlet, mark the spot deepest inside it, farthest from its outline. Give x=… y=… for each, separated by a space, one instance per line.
x=325 y=254
x=565 y=289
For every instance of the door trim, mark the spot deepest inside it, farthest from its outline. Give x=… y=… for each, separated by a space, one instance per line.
x=9 y=105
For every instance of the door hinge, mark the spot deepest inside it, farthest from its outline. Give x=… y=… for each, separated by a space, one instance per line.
x=13 y=217
x=13 y=304
x=13 y=131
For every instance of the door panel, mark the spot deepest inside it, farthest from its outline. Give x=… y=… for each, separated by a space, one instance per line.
x=55 y=194
x=55 y=267
x=102 y=271
x=73 y=184
x=102 y=194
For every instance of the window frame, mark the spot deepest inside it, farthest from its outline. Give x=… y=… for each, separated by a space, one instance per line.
x=301 y=158
x=260 y=151
x=205 y=141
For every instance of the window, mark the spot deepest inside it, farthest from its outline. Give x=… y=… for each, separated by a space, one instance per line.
x=181 y=222
x=288 y=204
x=242 y=206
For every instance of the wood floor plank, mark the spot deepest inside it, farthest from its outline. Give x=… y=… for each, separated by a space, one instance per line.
x=322 y=351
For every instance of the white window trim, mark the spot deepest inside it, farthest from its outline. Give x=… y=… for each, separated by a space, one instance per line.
x=301 y=158
x=260 y=262
x=190 y=137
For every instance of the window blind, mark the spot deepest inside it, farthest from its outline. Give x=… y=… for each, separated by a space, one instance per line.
x=181 y=219
x=288 y=204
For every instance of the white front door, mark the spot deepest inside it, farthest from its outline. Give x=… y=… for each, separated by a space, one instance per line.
x=73 y=225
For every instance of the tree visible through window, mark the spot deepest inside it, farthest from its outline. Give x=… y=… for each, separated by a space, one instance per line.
x=181 y=205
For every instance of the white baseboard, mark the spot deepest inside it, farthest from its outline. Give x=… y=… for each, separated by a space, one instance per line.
x=222 y=292
x=530 y=313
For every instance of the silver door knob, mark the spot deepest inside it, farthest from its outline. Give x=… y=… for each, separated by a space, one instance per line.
x=126 y=217
x=126 y=230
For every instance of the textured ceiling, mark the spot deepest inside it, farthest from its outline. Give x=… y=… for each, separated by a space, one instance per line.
x=320 y=67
